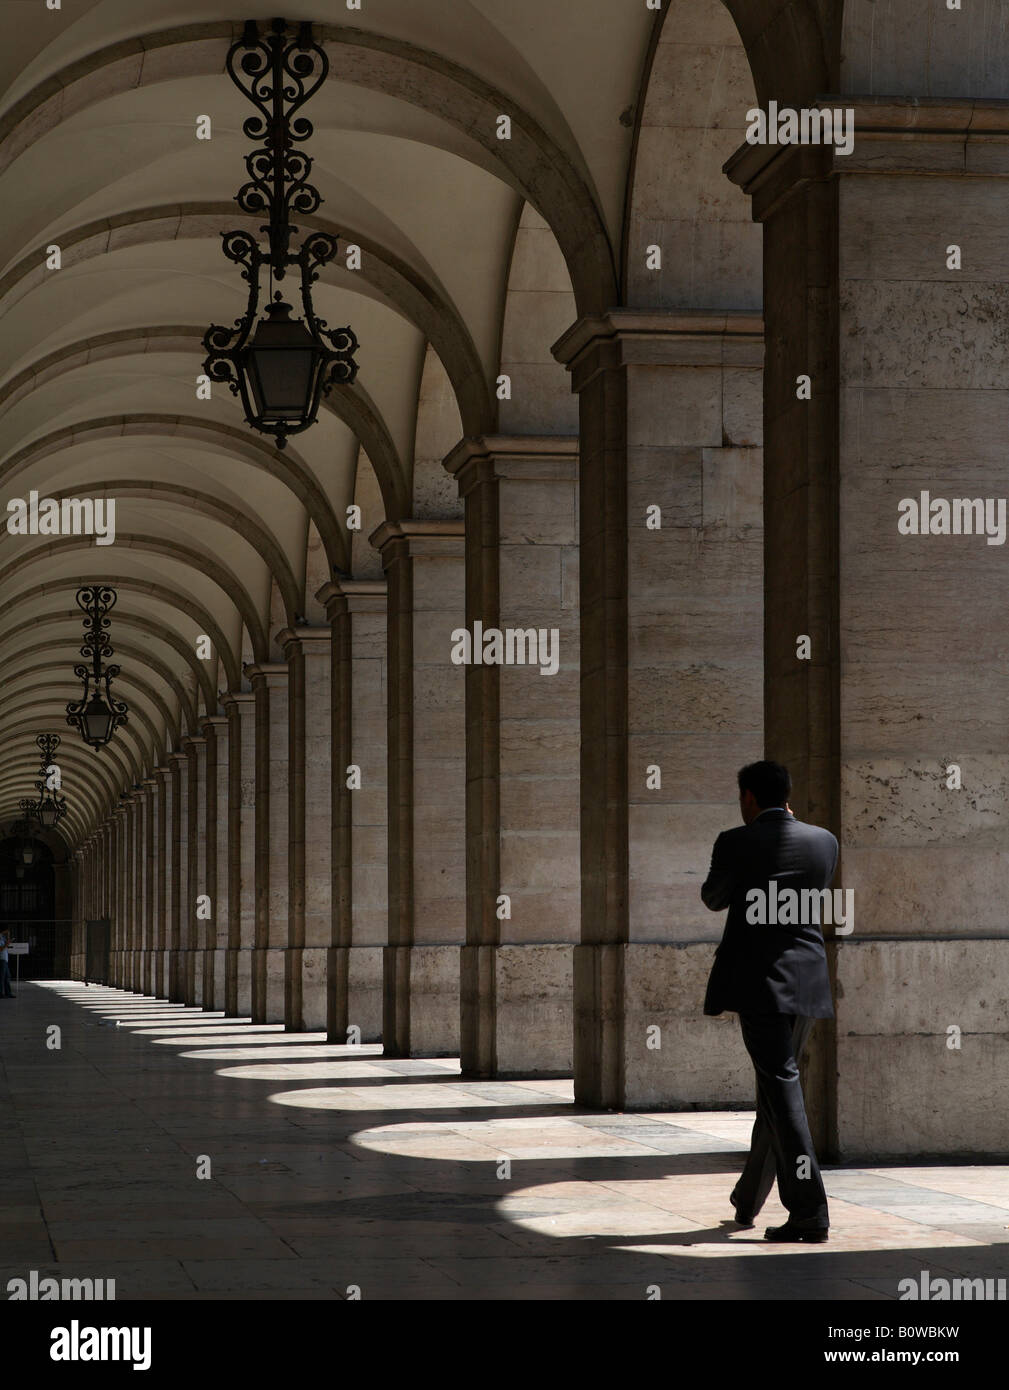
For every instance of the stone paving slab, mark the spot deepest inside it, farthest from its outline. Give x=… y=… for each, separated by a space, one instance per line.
x=332 y=1166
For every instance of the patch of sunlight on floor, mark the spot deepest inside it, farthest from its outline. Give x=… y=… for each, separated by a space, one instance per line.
x=382 y=1098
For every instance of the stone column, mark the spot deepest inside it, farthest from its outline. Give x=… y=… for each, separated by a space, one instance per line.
x=122 y=887
x=240 y=708
x=356 y=609
x=165 y=891
x=310 y=874
x=217 y=868
x=178 y=876
x=129 y=889
x=136 y=874
x=270 y=684
x=154 y=906
x=522 y=761
x=887 y=288
x=424 y=566
x=670 y=544
x=63 y=910
x=77 y=931
x=196 y=867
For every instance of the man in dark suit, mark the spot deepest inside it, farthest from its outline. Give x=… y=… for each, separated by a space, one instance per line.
x=771 y=969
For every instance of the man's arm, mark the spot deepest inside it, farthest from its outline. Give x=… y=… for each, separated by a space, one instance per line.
x=721 y=882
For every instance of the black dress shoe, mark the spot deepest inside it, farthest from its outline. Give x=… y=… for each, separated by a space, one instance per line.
x=743 y=1217
x=812 y=1235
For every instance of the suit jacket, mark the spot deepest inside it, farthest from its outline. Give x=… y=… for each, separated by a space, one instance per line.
x=761 y=968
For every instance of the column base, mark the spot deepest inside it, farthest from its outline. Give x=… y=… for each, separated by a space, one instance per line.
x=901 y=1088
x=175 y=977
x=269 y=984
x=217 y=991
x=187 y=975
x=421 y=1007
x=517 y=1017
x=312 y=981
x=355 y=993
x=623 y=993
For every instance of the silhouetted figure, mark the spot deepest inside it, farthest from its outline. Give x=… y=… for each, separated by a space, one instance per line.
x=5 y=970
x=775 y=977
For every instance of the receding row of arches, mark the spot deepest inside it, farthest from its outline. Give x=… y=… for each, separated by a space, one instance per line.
x=453 y=859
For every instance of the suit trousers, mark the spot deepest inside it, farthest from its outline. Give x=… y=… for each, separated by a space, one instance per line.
x=781 y=1144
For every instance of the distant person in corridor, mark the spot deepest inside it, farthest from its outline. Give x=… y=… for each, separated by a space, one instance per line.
x=775 y=978
x=5 y=970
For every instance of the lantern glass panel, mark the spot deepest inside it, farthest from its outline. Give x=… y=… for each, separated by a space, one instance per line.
x=281 y=365
x=97 y=720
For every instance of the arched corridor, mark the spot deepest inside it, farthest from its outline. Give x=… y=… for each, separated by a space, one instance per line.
x=436 y=706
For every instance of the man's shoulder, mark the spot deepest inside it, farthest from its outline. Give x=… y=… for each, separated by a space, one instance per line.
x=730 y=838
x=815 y=832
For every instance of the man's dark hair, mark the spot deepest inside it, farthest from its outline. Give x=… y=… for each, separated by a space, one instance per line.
x=769 y=783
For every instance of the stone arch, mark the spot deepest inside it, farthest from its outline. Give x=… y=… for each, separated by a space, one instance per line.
x=438 y=430
x=161 y=593
x=146 y=661
x=130 y=621
x=366 y=562
x=81 y=758
x=212 y=507
x=242 y=444
x=691 y=117
x=218 y=573
x=421 y=301
x=317 y=573
x=793 y=47
x=531 y=160
x=539 y=308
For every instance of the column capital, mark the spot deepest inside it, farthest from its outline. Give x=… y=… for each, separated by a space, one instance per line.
x=311 y=639
x=419 y=536
x=237 y=699
x=194 y=741
x=353 y=596
x=542 y=458
x=892 y=135
x=271 y=673
x=660 y=338
x=211 y=723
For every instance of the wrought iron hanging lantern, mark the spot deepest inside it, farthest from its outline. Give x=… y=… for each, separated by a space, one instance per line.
x=50 y=807
x=279 y=366
x=97 y=714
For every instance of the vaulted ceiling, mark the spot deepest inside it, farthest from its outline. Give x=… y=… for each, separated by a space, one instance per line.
x=217 y=532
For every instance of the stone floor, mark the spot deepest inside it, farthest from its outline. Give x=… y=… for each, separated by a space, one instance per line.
x=334 y=1169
